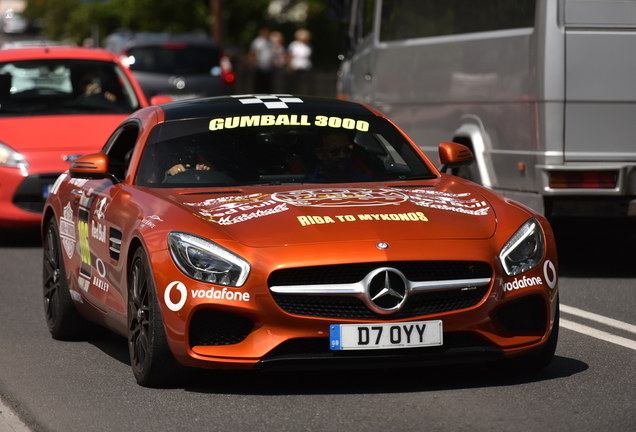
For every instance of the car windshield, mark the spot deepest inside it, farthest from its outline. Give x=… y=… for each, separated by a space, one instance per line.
x=64 y=87
x=173 y=58
x=277 y=149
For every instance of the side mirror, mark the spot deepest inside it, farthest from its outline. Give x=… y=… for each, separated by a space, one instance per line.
x=160 y=99
x=93 y=167
x=452 y=155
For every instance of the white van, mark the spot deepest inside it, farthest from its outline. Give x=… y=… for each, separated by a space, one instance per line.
x=542 y=91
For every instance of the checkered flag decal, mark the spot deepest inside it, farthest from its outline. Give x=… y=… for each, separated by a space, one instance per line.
x=270 y=101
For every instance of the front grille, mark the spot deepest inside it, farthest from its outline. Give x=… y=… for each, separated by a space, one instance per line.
x=421 y=271
x=30 y=195
x=352 y=307
x=213 y=328
x=344 y=307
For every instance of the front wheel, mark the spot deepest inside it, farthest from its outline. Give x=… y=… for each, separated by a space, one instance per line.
x=152 y=362
x=62 y=318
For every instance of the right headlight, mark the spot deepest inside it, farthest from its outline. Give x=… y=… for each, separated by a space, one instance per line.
x=525 y=249
x=206 y=261
x=11 y=158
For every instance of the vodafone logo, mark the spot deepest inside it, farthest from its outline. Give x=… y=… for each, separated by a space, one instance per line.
x=550 y=274
x=179 y=286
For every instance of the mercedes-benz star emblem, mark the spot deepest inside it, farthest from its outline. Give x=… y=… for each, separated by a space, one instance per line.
x=387 y=289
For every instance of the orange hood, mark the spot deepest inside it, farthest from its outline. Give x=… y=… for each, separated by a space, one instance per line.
x=308 y=214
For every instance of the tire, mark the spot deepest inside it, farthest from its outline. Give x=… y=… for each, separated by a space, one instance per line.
x=537 y=360
x=62 y=318
x=152 y=362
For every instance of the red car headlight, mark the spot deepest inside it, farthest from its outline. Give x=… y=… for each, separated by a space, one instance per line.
x=11 y=158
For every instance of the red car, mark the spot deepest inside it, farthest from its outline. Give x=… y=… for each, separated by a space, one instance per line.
x=274 y=231
x=56 y=104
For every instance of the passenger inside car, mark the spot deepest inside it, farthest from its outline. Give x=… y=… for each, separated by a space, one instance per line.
x=338 y=158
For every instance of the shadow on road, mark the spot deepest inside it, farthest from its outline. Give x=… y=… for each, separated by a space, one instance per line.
x=20 y=238
x=432 y=378
x=374 y=381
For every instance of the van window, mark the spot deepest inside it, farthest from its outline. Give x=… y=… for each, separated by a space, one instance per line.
x=367 y=17
x=407 y=19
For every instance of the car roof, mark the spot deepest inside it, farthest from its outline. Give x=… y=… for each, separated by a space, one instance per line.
x=241 y=105
x=56 y=52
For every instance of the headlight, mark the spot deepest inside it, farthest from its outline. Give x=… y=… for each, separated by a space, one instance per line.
x=11 y=158
x=524 y=251
x=206 y=261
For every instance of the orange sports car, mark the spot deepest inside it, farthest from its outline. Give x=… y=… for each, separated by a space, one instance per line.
x=280 y=231
x=56 y=104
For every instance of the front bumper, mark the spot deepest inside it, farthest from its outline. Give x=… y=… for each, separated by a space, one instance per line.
x=22 y=197
x=253 y=327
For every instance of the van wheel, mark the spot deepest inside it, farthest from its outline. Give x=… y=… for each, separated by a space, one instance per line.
x=152 y=362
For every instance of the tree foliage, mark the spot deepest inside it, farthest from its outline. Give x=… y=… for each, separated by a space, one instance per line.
x=75 y=20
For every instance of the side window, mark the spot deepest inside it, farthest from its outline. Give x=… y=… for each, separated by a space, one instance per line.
x=407 y=19
x=119 y=148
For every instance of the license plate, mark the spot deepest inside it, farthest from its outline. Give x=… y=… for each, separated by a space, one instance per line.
x=385 y=335
x=45 y=190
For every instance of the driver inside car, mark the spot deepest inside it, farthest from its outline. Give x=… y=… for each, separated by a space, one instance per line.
x=179 y=168
x=189 y=160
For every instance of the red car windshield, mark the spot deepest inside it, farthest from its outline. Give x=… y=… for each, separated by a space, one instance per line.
x=64 y=87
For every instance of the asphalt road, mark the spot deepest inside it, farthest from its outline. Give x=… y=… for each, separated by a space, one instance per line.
x=88 y=386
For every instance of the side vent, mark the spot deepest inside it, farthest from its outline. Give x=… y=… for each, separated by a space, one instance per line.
x=114 y=240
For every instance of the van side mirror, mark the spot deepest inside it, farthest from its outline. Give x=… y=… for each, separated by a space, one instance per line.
x=452 y=155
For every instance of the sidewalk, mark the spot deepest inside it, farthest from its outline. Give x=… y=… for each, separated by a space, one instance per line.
x=9 y=422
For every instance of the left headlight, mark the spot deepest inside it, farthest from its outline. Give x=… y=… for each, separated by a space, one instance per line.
x=11 y=158
x=206 y=261
x=525 y=249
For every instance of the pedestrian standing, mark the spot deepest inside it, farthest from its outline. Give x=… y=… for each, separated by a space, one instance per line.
x=261 y=59
x=279 y=62
x=299 y=61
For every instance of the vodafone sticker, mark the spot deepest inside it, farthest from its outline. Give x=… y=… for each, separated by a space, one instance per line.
x=179 y=286
x=550 y=274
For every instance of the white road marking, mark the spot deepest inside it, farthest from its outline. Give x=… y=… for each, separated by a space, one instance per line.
x=599 y=334
x=599 y=318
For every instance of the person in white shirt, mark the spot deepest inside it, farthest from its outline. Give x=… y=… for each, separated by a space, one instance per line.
x=261 y=57
x=299 y=61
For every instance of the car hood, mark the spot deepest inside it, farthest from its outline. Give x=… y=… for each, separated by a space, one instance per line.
x=277 y=216
x=81 y=133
